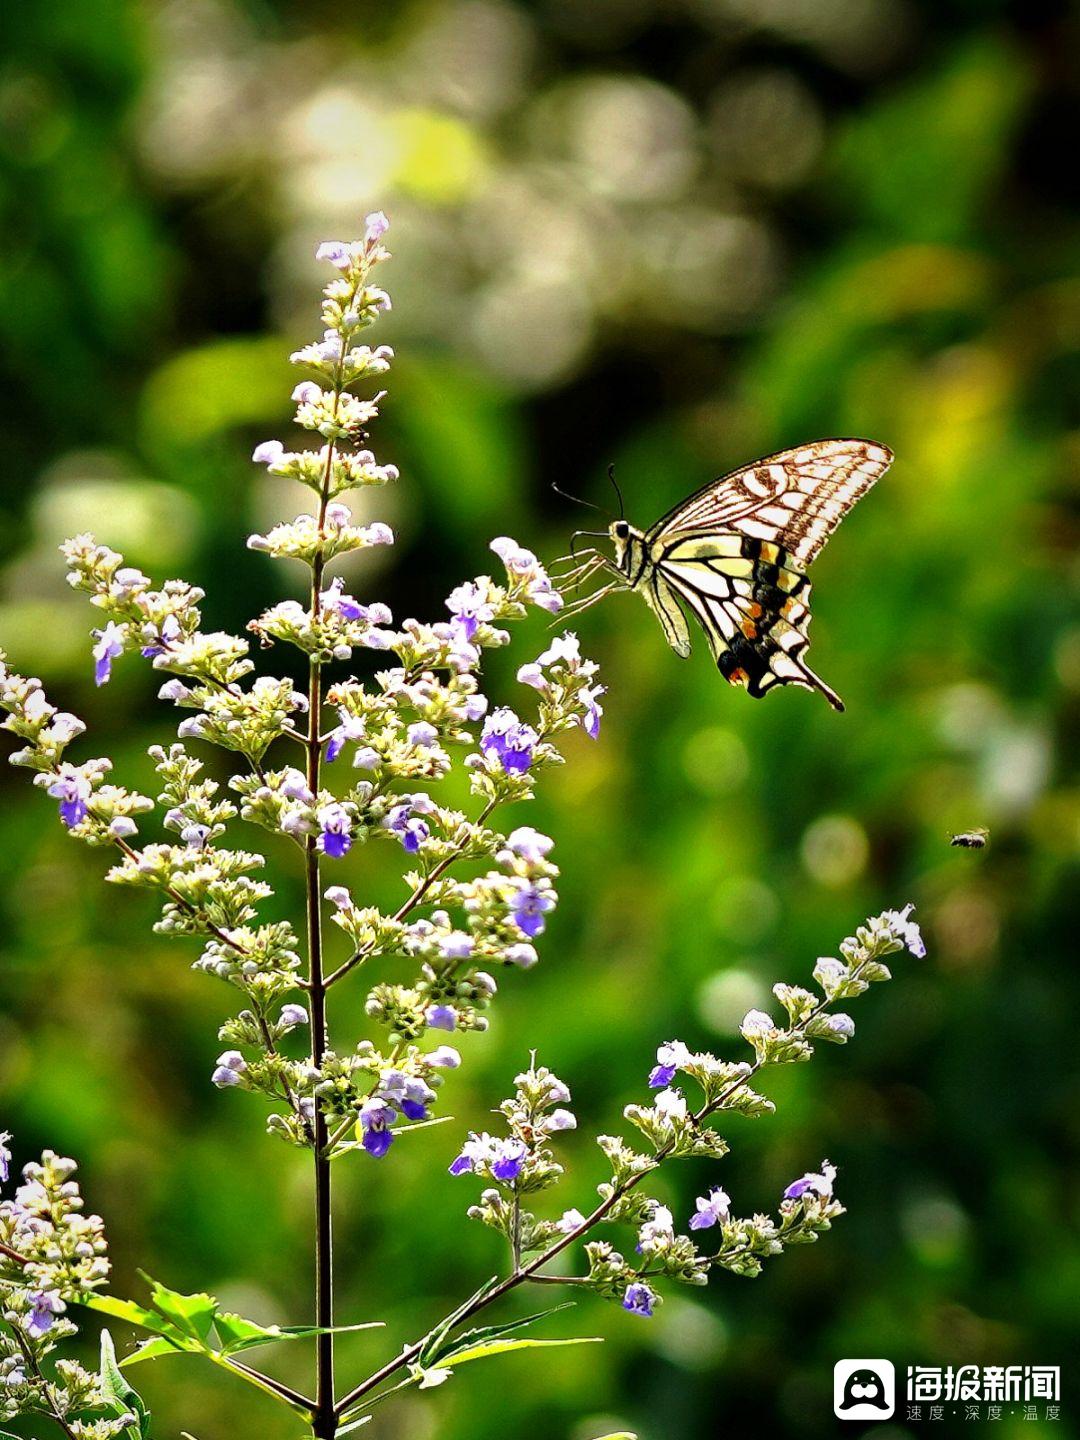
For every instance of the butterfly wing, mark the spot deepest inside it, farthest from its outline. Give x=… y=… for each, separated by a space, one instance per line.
x=795 y=499
x=662 y=602
x=735 y=554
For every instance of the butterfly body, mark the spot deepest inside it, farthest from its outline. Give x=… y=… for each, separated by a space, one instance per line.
x=735 y=554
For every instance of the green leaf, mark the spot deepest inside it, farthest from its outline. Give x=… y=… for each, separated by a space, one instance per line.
x=128 y=1311
x=116 y=1386
x=153 y=1349
x=503 y=1347
x=494 y=1332
x=354 y=1425
x=236 y=1333
x=618 y=1435
x=192 y=1314
x=434 y=1342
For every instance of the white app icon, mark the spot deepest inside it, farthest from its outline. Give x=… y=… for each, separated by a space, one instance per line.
x=864 y=1389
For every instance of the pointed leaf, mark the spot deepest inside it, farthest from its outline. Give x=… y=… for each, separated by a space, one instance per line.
x=503 y=1347
x=354 y=1425
x=234 y=1330
x=493 y=1332
x=154 y=1349
x=294 y=1332
x=434 y=1342
x=118 y=1388
x=133 y=1314
x=192 y=1314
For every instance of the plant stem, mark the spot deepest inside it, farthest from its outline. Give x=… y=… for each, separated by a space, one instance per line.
x=325 y=1423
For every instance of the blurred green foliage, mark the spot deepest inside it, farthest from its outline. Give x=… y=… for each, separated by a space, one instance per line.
x=674 y=236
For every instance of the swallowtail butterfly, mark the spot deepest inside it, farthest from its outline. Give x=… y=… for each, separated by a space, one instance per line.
x=734 y=555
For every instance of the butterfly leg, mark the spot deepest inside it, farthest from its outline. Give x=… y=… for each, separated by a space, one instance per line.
x=588 y=601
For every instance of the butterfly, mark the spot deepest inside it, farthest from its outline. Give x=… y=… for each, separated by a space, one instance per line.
x=734 y=555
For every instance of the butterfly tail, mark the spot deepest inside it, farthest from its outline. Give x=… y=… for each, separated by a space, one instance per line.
x=815 y=682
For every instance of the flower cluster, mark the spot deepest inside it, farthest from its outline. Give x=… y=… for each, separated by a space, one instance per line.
x=367 y=752
x=674 y=1126
x=51 y=1254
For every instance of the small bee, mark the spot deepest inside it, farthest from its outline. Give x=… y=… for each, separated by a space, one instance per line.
x=971 y=839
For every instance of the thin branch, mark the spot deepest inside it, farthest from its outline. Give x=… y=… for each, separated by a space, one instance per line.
x=413 y=900
x=529 y=1272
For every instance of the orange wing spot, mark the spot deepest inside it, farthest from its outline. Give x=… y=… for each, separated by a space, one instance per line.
x=787 y=607
x=738 y=677
x=754 y=610
x=749 y=629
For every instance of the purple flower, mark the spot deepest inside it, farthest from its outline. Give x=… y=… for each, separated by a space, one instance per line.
x=569 y=1221
x=376 y=1118
x=639 y=1300
x=336 y=602
x=510 y=740
x=421 y=735
x=589 y=695
x=230 y=1066
x=403 y=822
x=469 y=608
x=456 y=946
x=819 y=1184
x=523 y=567
x=507 y=1159
x=504 y=1158
x=5 y=1157
x=528 y=908
x=441 y=1017
x=842 y=1026
x=352 y=728
x=523 y=956
x=376 y=226
x=529 y=844
x=670 y=1057
x=337 y=252
x=339 y=897
x=110 y=644
x=46 y=1305
x=293 y=1015
x=445 y=1057
x=906 y=930
x=711 y=1209
x=268 y=453
x=308 y=393
x=561 y=1120
x=195 y=836
x=335 y=831
x=73 y=791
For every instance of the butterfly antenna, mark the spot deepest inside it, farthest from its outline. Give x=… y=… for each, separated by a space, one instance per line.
x=576 y=499
x=618 y=492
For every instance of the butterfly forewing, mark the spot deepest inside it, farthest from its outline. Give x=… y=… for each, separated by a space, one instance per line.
x=795 y=499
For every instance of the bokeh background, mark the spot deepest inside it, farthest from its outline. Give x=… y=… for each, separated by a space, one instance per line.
x=672 y=234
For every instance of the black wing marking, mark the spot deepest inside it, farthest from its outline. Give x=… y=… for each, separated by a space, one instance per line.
x=754 y=608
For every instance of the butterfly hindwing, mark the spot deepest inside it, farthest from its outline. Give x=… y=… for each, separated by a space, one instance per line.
x=752 y=604
x=662 y=601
